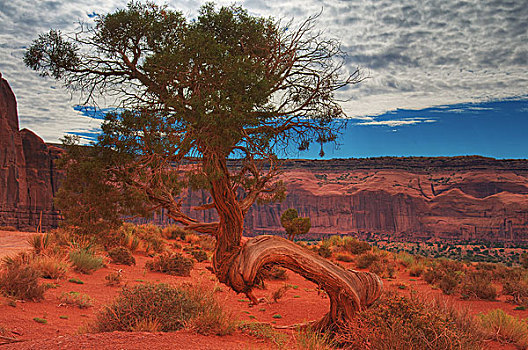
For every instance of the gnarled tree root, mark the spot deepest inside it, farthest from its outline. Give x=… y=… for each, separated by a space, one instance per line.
x=349 y=291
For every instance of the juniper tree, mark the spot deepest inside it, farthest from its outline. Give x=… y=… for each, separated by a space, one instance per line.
x=195 y=93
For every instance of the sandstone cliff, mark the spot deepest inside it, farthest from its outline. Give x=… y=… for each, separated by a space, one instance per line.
x=27 y=173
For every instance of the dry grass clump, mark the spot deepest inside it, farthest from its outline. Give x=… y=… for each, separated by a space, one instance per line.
x=309 y=339
x=85 y=261
x=133 y=236
x=505 y=328
x=51 y=266
x=121 y=255
x=273 y=273
x=161 y=307
x=81 y=300
x=20 y=280
x=279 y=293
x=345 y=257
x=114 y=278
x=264 y=331
x=171 y=263
x=175 y=232
x=400 y=323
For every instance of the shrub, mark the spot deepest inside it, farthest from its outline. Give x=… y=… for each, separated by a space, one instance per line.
x=397 y=323
x=449 y=282
x=199 y=255
x=477 y=284
x=121 y=255
x=175 y=232
x=21 y=282
x=39 y=242
x=505 y=328
x=53 y=267
x=82 y=301
x=355 y=246
x=518 y=290
x=345 y=257
x=416 y=269
x=169 y=308
x=383 y=268
x=85 y=261
x=171 y=263
x=364 y=260
x=406 y=259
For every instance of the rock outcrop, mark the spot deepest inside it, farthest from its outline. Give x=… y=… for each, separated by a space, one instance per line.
x=27 y=173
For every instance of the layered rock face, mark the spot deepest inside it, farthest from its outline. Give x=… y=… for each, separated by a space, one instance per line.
x=27 y=173
x=459 y=198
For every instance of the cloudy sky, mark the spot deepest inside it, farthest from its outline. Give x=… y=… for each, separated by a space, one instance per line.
x=445 y=77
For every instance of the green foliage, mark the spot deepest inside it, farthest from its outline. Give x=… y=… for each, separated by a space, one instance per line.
x=171 y=263
x=85 y=261
x=121 y=255
x=293 y=224
x=40 y=320
x=75 y=280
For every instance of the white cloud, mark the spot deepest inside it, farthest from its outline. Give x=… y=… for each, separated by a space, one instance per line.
x=417 y=53
x=396 y=122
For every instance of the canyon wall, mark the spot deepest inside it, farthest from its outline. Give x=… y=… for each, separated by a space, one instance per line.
x=27 y=173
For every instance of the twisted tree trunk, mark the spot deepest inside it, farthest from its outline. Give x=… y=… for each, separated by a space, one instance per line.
x=237 y=264
x=349 y=291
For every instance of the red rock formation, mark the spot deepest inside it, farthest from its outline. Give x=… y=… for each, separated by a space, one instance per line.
x=27 y=184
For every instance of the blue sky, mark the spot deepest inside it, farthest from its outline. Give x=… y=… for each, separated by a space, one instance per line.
x=417 y=55
x=494 y=129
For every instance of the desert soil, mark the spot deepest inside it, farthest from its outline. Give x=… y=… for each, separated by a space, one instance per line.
x=66 y=325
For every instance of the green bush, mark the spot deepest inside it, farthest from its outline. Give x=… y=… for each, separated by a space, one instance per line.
x=20 y=281
x=171 y=263
x=121 y=255
x=85 y=261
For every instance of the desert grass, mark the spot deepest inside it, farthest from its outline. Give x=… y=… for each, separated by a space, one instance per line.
x=80 y=300
x=505 y=328
x=171 y=263
x=85 y=261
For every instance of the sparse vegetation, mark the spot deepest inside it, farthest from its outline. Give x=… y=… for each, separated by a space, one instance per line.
x=199 y=255
x=114 y=278
x=264 y=331
x=81 y=300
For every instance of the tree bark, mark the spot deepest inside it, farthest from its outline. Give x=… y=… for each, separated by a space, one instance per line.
x=349 y=291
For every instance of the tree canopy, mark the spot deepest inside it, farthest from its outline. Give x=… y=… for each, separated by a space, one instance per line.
x=194 y=93
x=293 y=224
